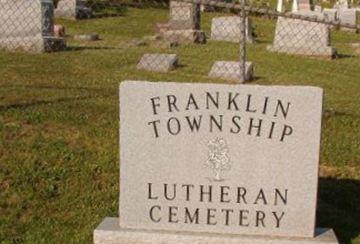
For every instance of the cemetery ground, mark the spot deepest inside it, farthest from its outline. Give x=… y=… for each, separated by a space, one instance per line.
x=59 y=123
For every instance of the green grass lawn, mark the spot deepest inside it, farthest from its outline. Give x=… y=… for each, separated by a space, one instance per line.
x=59 y=165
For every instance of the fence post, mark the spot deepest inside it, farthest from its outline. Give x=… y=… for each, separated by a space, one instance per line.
x=242 y=41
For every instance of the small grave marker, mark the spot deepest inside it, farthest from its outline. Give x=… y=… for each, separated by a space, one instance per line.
x=158 y=62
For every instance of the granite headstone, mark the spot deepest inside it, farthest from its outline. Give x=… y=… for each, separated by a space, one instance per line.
x=184 y=23
x=296 y=36
x=211 y=163
x=28 y=26
x=228 y=29
x=348 y=17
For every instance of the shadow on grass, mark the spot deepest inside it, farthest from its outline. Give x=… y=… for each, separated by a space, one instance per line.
x=342 y=56
x=81 y=48
x=339 y=207
x=103 y=91
x=42 y=102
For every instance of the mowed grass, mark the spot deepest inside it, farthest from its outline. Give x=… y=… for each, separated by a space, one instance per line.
x=59 y=113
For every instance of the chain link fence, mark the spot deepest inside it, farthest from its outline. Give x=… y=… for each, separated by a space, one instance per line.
x=240 y=31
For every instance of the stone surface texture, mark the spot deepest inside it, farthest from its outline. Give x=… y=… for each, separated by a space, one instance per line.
x=296 y=36
x=231 y=70
x=158 y=62
x=228 y=29
x=109 y=232
x=189 y=152
x=28 y=26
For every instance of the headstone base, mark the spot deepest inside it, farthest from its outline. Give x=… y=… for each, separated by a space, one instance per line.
x=35 y=44
x=109 y=232
x=230 y=70
x=329 y=52
x=185 y=36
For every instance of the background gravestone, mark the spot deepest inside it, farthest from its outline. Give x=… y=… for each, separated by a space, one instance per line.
x=205 y=163
x=228 y=29
x=184 y=23
x=347 y=16
x=341 y=4
x=296 y=36
x=72 y=9
x=330 y=14
x=28 y=26
x=304 y=5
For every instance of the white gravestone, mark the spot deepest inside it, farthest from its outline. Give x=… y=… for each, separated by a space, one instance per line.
x=296 y=36
x=28 y=26
x=215 y=163
x=280 y=6
x=228 y=29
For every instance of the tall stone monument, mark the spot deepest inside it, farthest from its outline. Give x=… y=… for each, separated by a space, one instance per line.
x=184 y=23
x=28 y=26
x=296 y=36
x=73 y=9
x=207 y=163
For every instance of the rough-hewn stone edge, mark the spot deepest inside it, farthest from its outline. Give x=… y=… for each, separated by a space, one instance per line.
x=109 y=232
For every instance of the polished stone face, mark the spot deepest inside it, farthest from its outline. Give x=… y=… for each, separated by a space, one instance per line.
x=219 y=158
